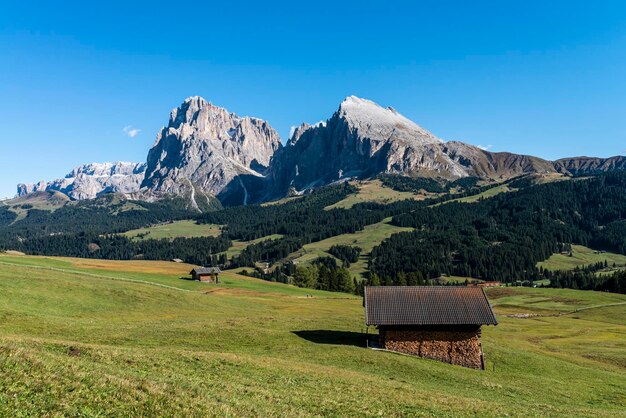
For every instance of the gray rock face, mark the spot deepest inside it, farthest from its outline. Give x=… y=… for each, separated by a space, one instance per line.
x=207 y=147
x=92 y=180
x=363 y=139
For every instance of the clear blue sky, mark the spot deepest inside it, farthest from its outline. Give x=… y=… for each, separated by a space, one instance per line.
x=536 y=77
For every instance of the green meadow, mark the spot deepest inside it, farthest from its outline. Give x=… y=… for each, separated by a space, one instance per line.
x=371 y=236
x=184 y=229
x=582 y=256
x=239 y=246
x=374 y=191
x=494 y=191
x=104 y=338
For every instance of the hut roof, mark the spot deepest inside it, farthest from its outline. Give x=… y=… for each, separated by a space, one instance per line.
x=205 y=270
x=427 y=305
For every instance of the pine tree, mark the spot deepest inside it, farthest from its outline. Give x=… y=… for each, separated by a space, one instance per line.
x=374 y=280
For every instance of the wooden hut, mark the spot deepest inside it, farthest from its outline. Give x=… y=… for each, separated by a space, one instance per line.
x=437 y=322
x=485 y=284
x=206 y=274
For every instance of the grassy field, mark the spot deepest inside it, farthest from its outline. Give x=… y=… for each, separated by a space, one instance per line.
x=374 y=191
x=190 y=229
x=581 y=256
x=185 y=229
x=280 y=201
x=367 y=239
x=239 y=246
x=97 y=338
x=494 y=191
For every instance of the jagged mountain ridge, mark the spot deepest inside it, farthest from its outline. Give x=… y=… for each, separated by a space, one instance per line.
x=92 y=180
x=210 y=148
x=207 y=151
x=363 y=139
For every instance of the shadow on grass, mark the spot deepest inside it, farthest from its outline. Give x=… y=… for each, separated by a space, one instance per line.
x=322 y=336
x=188 y=279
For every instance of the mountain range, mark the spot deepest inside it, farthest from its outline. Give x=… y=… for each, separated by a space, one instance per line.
x=206 y=151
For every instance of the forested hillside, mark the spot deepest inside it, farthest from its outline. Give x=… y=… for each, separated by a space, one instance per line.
x=503 y=238
x=107 y=214
x=498 y=238
x=88 y=229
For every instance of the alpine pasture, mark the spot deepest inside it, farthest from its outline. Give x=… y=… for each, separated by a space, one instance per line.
x=100 y=338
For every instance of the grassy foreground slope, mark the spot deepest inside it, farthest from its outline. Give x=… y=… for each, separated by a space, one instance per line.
x=78 y=337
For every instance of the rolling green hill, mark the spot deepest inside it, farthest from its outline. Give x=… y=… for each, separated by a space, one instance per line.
x=582 y=256
x=374 y=191
x=366 y=239
x=46 y=201
x=120 y=338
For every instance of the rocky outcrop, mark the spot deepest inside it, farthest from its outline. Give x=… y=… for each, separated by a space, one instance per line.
x=92 y=180
x=207 y=147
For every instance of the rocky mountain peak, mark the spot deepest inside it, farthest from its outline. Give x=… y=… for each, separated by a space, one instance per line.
x=361 y=139
x=122 y=168
x=207 y=147
x=195 y=111
x=206 y=151
x=373 y=120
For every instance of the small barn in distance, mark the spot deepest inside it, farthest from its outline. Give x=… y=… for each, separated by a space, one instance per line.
x=437 y=322
x=206 y=274
x=485 y=284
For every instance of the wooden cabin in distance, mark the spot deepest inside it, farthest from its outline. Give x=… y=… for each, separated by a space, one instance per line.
x=437 y=322
x=485 y=284
x=206 y=274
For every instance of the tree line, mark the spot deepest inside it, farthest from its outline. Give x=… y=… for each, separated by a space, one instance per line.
x=200 y=250
x=402 y=183
x=503 y=238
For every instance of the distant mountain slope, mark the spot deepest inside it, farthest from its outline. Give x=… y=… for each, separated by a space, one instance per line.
x=92 y=180
x=361 y=139
x=587 y=165
x=206 y=152
x=494 y=165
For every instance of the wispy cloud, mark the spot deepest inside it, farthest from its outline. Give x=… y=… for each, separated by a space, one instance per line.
x=485 y=147
x=130 y=131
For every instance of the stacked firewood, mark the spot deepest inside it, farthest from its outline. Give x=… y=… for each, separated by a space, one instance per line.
x=462 y=348
x=467 y=352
